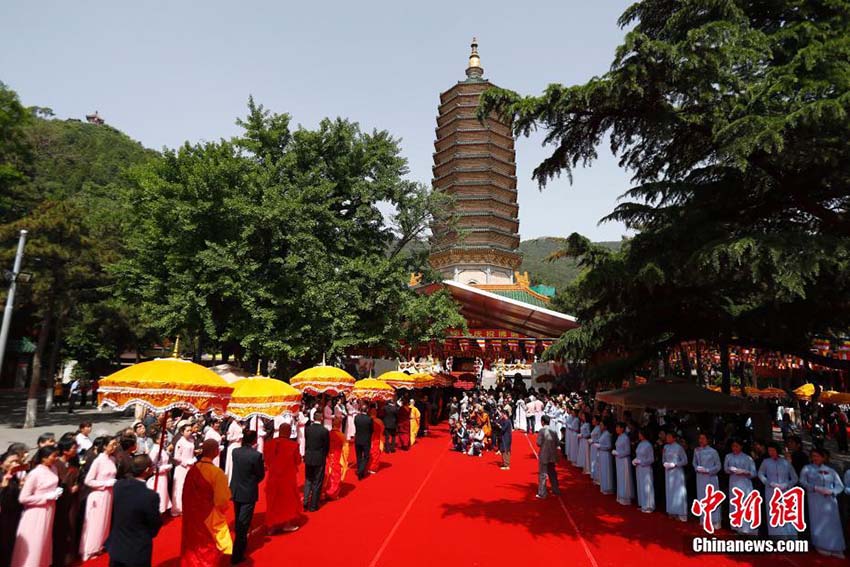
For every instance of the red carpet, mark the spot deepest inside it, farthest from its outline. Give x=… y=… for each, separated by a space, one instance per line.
x=432 y=506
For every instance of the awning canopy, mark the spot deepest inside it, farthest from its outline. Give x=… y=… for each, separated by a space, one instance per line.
x=681 y=396
x=507 y=313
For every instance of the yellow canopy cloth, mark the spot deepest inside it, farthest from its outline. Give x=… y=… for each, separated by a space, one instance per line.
x=372 y=389
x=264 y=397
x=424 y=380
x=805 y=392
x=833 y=397
x=323 y=380
x=166 y=383
x=769 y=392
x=399 y=380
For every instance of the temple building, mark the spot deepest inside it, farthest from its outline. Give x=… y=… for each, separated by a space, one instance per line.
x=474 y=162
x=509 y=322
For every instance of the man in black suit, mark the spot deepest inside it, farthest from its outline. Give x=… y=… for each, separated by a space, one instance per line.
x=135 y=517
x=248 y=472
x=317 y=443
x=390 y=426
x=363 y=427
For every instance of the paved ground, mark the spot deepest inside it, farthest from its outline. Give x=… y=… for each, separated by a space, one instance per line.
x=12 y=410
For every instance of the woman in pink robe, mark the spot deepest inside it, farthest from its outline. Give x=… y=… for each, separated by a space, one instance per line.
x=184 y=458
x=34 y=539
x=234 y=440
x=214 y=433
x=100 y=480
x=158 y=456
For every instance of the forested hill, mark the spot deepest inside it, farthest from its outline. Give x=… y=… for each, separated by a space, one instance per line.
x=559 y=273
x=70 y=154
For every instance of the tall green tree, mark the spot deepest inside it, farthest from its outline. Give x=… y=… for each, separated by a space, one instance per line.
x=733 y=118
x=15 y=155
x=65 y=195
x=272 y=244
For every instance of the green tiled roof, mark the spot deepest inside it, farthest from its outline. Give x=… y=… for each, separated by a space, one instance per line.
x=546 y=290
x=523 y=296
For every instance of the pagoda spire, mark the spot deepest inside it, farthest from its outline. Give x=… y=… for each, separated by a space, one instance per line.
x=474 y=71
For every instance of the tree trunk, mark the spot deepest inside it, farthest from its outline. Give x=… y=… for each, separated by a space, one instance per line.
x=739 y=370
x=726 y=382
x=38 y=368
x=700 y=377
x=55 y=349
x=686 y=362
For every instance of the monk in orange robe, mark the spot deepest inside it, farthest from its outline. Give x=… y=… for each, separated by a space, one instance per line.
x=404 y=426
x=484 y=421
x=337 y=462
x=206 y=499
x=284 y=511
x=377 y=441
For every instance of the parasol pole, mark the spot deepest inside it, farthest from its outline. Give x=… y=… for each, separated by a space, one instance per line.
x=256 y=417
x=162 y=432
x=161 y=449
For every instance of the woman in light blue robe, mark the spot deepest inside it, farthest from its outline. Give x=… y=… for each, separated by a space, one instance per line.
x=604 y=460
x=822 y=485
x=674 y=460
x=644 y=457
x=521 y=419
x=574 y=425
x=777 y=474
x=623 y=454
x=741 y=469
x=583 y=444
x=595 y=432
x=707 y=465
x=568 y=439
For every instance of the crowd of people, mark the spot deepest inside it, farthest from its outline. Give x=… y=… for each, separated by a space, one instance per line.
x=660 y=460
x=79 y=495
x=667 y=460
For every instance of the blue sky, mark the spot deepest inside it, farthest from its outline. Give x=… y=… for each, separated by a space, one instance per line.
x=169 y=71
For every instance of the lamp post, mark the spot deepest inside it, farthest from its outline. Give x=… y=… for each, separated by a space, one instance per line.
x=10 y=299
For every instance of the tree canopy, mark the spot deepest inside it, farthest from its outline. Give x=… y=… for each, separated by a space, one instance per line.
x=272 y=244
x=733 y=118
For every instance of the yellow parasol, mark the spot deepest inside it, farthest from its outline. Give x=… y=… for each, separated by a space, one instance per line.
x=805 y=392
x=371 y=389
x=399 y=380
x=164 y=384
x=769 y=392
x=263 y=397
x=424 y=380
x=833 y=397
x=323 y=379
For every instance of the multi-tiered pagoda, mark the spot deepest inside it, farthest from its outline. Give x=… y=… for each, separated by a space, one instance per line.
x=474 y=162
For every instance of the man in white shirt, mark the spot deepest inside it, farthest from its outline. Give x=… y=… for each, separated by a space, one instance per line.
x=328 y=416
x=82 y=439
x=73 y=394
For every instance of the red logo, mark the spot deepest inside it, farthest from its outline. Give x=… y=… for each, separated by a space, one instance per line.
x=745 y=508
x=787 y=508
x=704 y=507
